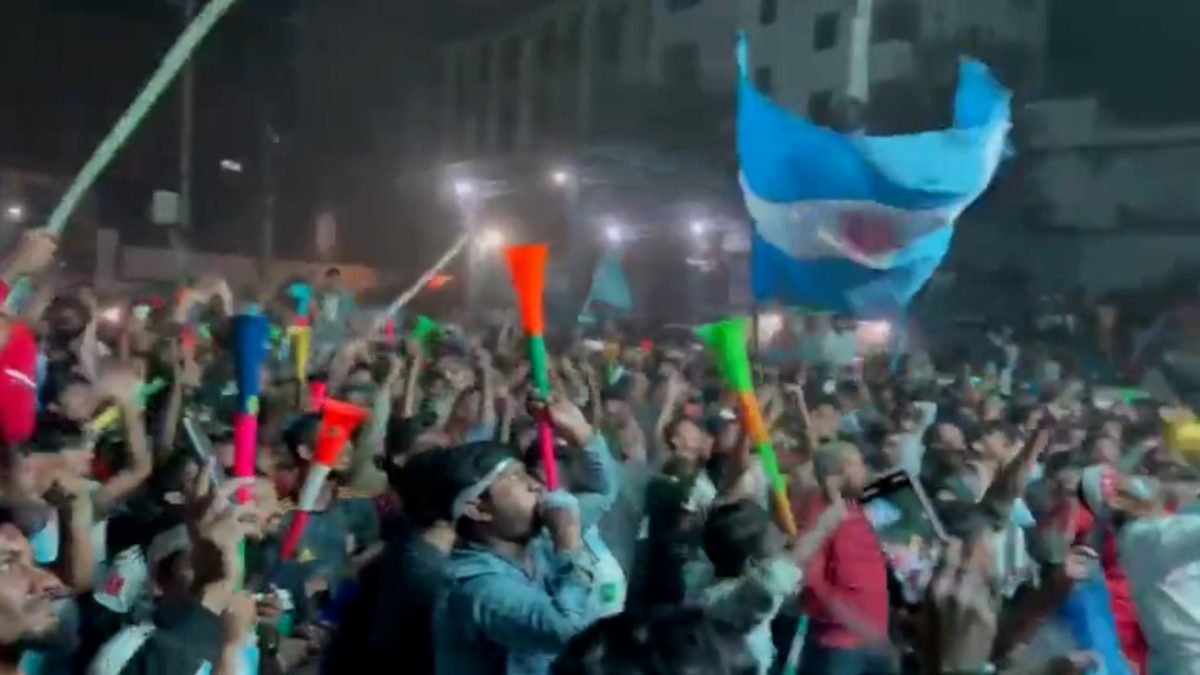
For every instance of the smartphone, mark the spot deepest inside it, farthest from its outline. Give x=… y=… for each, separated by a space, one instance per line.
x=900 y=511
x=202 y=448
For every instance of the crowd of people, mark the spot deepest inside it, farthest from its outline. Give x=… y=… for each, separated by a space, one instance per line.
x=968 y=515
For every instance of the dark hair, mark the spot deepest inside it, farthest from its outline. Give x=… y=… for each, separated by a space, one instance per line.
x=666 y=642
x=990 y=427
x=735 y=536
x=301 y=432
x=55 y=432
x=333 y=272
x=426 y=488
x=669 y=429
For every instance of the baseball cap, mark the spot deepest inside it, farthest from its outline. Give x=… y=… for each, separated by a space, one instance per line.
x=18 y=385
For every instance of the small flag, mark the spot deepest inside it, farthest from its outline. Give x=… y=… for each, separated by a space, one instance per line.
x=609 y=285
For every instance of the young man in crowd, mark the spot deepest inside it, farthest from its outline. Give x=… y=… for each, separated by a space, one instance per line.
x=846 y=581
x=513 y=602
x=29 y=594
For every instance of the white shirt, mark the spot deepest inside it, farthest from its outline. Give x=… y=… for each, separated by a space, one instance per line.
x=1161 y=558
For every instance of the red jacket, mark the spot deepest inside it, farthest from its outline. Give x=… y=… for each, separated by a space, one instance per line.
x=850 y=570
x=1129 y=632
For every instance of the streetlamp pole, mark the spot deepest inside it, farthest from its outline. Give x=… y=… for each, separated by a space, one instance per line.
x=267 y=242
x=187 y=125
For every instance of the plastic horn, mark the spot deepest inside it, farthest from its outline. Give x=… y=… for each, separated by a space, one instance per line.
x=171 y=64
x=317 y=389
x=109 y=416
x=338 y=422
x=527 y=266
x=726 y=341
x=424 y=328
x=300 y=331
x=249 y=350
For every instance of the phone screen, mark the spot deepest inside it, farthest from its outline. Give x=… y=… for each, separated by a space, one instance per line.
x=908 y=529
x=202 y=448
x=900 y=511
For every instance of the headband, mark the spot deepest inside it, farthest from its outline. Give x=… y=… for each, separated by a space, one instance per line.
x=476 y=489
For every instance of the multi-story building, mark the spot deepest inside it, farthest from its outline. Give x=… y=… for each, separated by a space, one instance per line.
x=803 y=52
x=544 y=76
x=553 y=84
x=537 y=79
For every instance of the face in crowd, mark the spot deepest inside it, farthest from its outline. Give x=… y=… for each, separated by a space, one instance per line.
x=508 y=510
x=690 y=441
x=28 y=619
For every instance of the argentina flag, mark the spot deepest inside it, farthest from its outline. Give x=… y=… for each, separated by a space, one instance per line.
x=854 y=223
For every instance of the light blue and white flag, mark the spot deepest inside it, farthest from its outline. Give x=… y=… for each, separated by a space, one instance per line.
x=856 y=223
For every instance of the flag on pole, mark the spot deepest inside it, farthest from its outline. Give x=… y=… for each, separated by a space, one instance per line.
x=856 y=223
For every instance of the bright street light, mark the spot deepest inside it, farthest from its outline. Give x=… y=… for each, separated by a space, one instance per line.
x=560 y=177
x=15 y=212
x=490 y=239
x=231 y=165
x=614 y=234
x=699 y=227
x=464 y=188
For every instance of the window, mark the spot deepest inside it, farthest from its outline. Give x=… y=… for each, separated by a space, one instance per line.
x=510 y=59
x=612 y=32
x=825 y=31
x=481 y=130
x=681 y=64
x=680 y=5
x=485 y=63
x=764 y=79
x=508 y=125
x=572 y=39
x=974 y=37
x=896 y=20
x=820 y=107
x=547 y=48
x=768 y=11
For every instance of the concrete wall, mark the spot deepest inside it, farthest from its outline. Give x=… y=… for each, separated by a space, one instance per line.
x=144 y=264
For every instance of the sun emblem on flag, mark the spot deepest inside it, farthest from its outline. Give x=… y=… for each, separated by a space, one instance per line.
x=868 y=233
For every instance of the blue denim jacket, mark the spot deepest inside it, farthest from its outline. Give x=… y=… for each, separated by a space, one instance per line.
x=500 y=617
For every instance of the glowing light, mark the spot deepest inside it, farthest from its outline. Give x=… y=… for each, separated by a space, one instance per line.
x=874 y=333
x=231 y=165
x=769 y=325
x=561 y=177
x=614 y=233
x=111 y=315
x=15 y=212
x=699 y=228
x=464 y=188
x=490 y=239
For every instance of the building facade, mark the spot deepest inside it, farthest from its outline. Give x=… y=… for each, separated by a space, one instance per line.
x=542 y=78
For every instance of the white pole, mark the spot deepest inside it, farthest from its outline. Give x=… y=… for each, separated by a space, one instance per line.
x=858 y=82
x=424 y=279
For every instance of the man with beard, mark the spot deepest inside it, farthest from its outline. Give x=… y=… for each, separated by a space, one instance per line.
x=846 y=580
x=28 y=619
